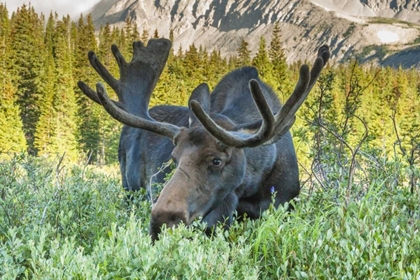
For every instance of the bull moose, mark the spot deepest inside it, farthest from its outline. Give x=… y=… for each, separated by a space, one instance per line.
x=232 y=153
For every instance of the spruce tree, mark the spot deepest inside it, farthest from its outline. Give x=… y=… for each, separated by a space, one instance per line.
x=244 y=54
x=135 y=34
x=27 y=68
x=378 y=105
x=122 y=43
x=88 y=116
x=132 y=34
x=216 y=68
x=408 y=123
x=108 y=128
x=233 y=62
x=406 y=91
x=261 y=60
x=65 y=99
x=46 y=128
x=192 y=62
x=12 y=138
x=276 y=52
x=280 y=77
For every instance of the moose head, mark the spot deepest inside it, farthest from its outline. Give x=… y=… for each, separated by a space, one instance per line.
x=232 y=147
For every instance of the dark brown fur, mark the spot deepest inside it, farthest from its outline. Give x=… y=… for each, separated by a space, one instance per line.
x=247 y=178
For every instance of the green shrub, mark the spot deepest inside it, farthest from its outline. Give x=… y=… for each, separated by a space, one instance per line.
x=71 y=222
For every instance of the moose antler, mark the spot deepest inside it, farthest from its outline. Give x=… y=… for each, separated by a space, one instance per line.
x=271 y=127
x=137 y=80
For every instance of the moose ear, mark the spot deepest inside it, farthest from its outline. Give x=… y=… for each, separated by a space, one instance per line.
x=201 y=94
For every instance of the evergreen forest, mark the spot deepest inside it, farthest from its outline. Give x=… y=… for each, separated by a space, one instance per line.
x=44 y=113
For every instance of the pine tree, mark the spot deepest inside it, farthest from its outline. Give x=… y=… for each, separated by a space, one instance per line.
x=27 y=68
x=135 y=34
x=244 y=54
x=65 y=99
x=377 y=108
x=276 y=52
x=88 y=114
x=408 y=123
x=406 y=92
x=233 y=62
x=12 y=138
x=261 y=60
x=280 y=77
x=192 y=62
x=216 y=68
x=131 y=33
x=108 y=128
x=46 y=128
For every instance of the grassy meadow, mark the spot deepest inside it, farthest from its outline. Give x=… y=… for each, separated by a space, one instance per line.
x=64 y=221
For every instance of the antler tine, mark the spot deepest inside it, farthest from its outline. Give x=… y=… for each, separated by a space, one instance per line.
x=135 y=85
x=286 y=116
x=165 y=129
x=98 y=66
x=324 y=52
x=93 y=95
x=301 y=92
x=237 y=139
x=320 y=62
x=118 y=57
x=102 y=71
x=89 y=92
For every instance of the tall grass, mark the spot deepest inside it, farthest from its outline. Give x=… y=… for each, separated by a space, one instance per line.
x=72 y=222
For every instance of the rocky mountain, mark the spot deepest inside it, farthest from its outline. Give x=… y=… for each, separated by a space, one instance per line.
x=386 y=32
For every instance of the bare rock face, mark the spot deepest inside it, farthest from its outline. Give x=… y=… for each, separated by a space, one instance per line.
x=395 y=5
x=351 y=27
x=374 y=8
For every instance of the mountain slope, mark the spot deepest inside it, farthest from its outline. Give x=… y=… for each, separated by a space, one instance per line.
x=371 y=30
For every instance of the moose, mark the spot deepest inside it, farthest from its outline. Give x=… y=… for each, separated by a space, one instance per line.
x=232 y=147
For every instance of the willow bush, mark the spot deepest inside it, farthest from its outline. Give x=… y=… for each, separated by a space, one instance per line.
x=61 y=221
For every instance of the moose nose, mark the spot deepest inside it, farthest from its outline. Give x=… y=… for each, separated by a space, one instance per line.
x=160 y=217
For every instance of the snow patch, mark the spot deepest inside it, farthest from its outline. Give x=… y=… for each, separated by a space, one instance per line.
x=350 y=18
x=322 y=6
x=387 y=37
x=340 y=14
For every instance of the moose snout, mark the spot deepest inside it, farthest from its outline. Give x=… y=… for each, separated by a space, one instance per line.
x=172 y=207
x=168 y=217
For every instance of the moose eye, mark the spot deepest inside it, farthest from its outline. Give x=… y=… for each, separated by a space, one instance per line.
x=217 y=162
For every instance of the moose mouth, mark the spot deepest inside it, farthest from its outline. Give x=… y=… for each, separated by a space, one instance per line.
x=155 y=227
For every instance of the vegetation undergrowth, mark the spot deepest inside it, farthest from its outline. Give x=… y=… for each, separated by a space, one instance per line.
x=59 y=221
